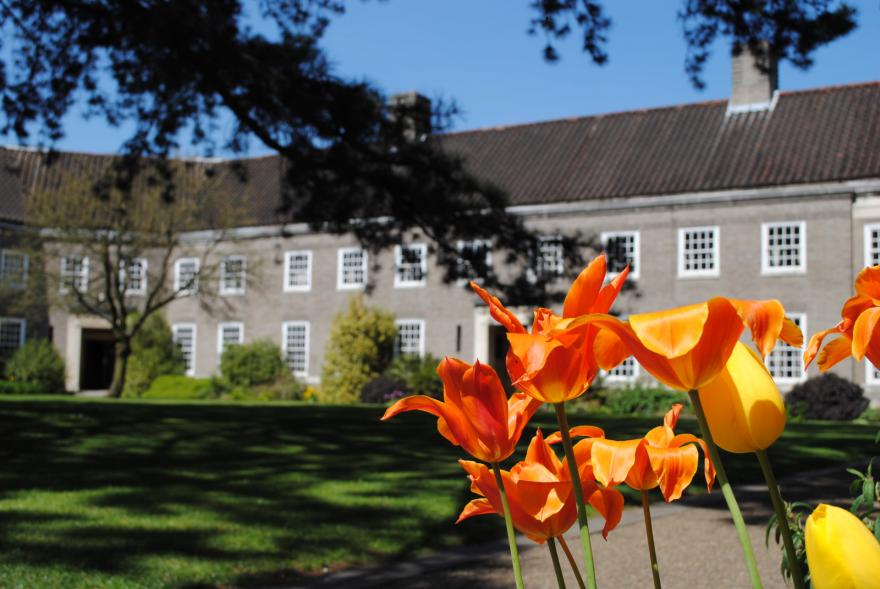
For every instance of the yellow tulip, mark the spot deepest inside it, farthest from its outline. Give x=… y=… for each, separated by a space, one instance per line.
x=742 y=404
x=841 y=551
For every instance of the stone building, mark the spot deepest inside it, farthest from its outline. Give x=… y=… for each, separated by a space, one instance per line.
x=770 y=194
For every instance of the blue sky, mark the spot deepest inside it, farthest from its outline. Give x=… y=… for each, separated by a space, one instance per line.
x=478 y=52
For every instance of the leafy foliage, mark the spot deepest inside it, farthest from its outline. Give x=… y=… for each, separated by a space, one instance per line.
x=418 y=373
x=827 y=397
x=153 y=353
x=38 y=363
x=638 y=400
x=14 y=387
x=383 y=389
x=257 y=363
x=360 y=348
x=796 y=515
x=180 y=387
x=865 y=491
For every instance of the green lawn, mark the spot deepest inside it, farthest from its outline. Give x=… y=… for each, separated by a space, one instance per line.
x=133 y=494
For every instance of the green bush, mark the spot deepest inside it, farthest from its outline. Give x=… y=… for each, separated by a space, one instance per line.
x=419 y=374
x=37 y=362
x=173 y=386
x=826 y=397
x=153 y=354
x=11 y=387
x=639 y=400
x=284 y=388
x=360 y=348
x=252 y=364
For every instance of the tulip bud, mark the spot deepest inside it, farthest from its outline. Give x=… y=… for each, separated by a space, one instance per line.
x=841 y=551
x=742 y=404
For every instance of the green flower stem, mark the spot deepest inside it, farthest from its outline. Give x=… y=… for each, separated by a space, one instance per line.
x=727 y=491
x=578 y=495
x=649 y=531
x=570 y=557
x=797 y=575
x=508 y=521
x=551 y=543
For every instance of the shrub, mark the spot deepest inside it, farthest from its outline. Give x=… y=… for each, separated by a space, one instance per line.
x=153 y=354
x=360 y=348
x=284 y=388
x=10 y=387
x=383 y=389
x=641 y=400
x=37 y=362
x=258 y=363
x=827 y=397
x=419 y=374
x=174 y=386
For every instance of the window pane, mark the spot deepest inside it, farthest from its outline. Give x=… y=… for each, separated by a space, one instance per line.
x=13 y=268
x=11 y=336
x=783 y=243
x=296 y=347
x=353 y=267
x=411 y=264
x=786 y=362
x=409 y=338
x=184 y=337
x=698 y=250
x=475 y=258
x=298 y=269
x=550 y=261
x=620 y=249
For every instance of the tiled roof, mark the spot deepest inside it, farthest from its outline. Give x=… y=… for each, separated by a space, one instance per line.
x=823 y=135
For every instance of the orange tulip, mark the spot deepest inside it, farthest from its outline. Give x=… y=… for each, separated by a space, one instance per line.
x=475 y=412
x=686 y=347
x=558 y=360
x=540 y=494
x=860 y=315
x=661 y=458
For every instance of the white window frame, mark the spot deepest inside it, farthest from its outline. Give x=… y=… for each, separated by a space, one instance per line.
x=220 y=328
x=619 y=378
x=399 y=282
x=238 y=290
x=716 y=252
x=766 y=269
x=636 y=266
x=4 y=280
x=460 y=245
x=871 y=379
x=284 y=341
x=123 y=277
x=192 y=326
x=421 y=324
x=868 y=229
x=798 y=353
x=539 y=263
x=288 y=287
x=82 y=277
x=340 y=255
x=178 y=283
x=22 y=336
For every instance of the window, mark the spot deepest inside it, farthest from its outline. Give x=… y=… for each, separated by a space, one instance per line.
x=185 y=338
x=476 y=250
x=550 y=262
x=134 y=277
x=410 y=337
x=11 y=336
x=74 y=273
x=13 y=269
x=229 y=334
x=783 y=247
x=698 y=252
x=872 y=375
x=410 y=265
x=233 y=275
x=295 y=345
x=186 y=276
x=786 y=363
x=352 y=268
x=626 y=371
x=297 y=271
x=622 y=248
x=872 y=244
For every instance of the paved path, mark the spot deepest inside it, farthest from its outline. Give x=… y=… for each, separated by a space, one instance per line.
x=697 y=548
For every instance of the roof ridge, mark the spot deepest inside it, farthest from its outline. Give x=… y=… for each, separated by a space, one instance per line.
x=184 y=158
x=679 y=106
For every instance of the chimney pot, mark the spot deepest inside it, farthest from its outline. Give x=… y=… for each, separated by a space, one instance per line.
x=414 y=112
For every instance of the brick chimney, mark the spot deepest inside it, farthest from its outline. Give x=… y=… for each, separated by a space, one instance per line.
x=414 y=111
x=755 y=79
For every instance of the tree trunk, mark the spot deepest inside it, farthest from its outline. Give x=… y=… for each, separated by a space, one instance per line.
x=122 y=351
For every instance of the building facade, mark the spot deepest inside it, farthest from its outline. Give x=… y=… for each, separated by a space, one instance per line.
x=768 y=195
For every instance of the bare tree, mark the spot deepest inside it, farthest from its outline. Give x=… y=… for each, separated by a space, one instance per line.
x=111 y=253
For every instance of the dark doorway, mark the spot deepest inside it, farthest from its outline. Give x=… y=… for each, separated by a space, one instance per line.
x=498 y=346
x=96 y=360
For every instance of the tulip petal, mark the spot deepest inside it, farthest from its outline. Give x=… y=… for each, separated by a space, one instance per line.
x=863 y=331
x=476 y=507
x=540 y=452
x=484 y=405
x=674 y=468
x=812 y=349
x=791 y=333
x=671 y=417
x=612 y=460
x=609 y=350
x=841 y=551
x=498 y=311
x=585 y=288
x=609 y=504
x=520 y=409
x=708 y=466
x=671 y=333
x=764 y=319
x=834 y=351
x=578 y=431
x=868 y=283
x=609 y=292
